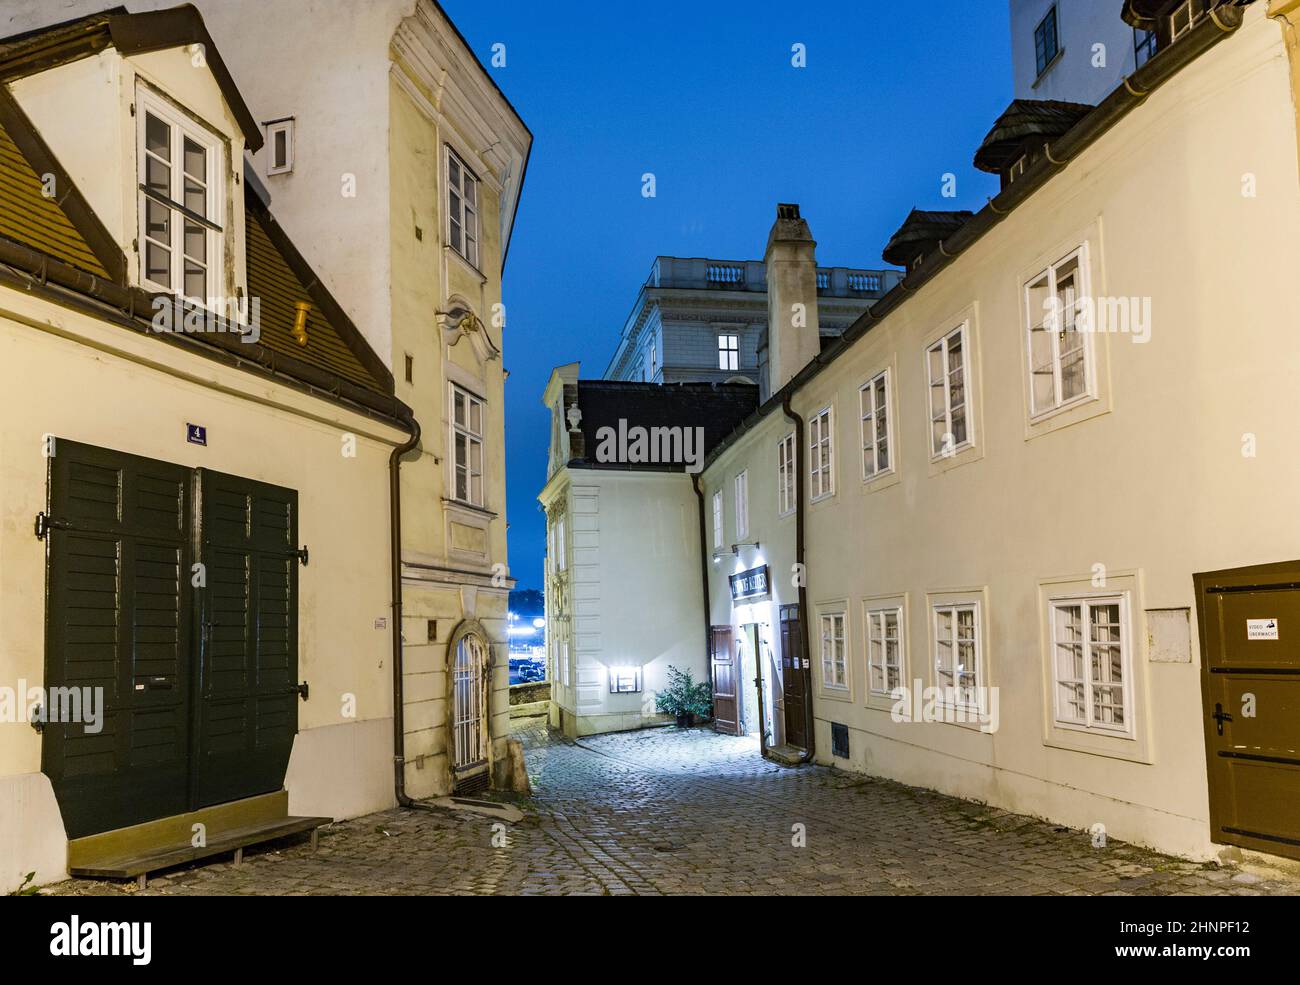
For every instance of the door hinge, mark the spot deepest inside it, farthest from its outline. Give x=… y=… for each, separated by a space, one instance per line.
x=301 y=554
x=37 y=719
x=300 y=689
x=45 y=523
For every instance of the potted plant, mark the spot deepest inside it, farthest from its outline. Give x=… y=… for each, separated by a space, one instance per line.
x=684 y=698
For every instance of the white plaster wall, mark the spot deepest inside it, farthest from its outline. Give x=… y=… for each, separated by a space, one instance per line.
x=1081 y=24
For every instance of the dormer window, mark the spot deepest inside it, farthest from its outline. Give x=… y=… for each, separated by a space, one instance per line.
x=1017 y=170
x=1186 y=16
x=180 y=201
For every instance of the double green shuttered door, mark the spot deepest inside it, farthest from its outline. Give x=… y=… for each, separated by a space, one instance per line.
x=175 y=591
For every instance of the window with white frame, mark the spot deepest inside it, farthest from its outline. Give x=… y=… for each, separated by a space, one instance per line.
x=885 y=649
x=876 y=446
x=467 y=450
x=957 y=651
x=280 y=143
x=717 y=521
x=949 y=411
x=822 y=462
x=562 y=658
x=561 y=546
x=1060 y=370
x=729 y=352
x=835 y=671
x=653 y=359
x=742 y=505
x=182 y=172
x=787 y=488
x=462 y=208
x=1090 y=663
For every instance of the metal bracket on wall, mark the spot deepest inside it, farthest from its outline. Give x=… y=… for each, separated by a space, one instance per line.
x=45 y=523
x=300 y=689
x=301 y=554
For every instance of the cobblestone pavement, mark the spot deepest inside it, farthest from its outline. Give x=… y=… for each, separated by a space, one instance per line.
x=687 y=811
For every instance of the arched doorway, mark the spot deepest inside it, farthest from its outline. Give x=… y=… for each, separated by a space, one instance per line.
x=468 y=667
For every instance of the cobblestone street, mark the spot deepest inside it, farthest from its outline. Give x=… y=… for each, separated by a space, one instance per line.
x=671 y=811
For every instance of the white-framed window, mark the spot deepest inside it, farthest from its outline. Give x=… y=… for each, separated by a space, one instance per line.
x=280 y=136
x=1060 y=348
x=561 y=546
x=877 y=448
x=652 y=358
x=787 y=486
x=729 y=352
x=467 y=446
x=182 y=174
x=1186 y=16
x=462 y=208
x=885 y=649
x=957 y=651
x=947 y=367
x=1091 y=663
x=717 y=520
x=742 y=505
x=835 y=671
x=822 y=460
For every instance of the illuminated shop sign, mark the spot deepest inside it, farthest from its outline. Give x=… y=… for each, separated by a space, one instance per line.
x=749 y=584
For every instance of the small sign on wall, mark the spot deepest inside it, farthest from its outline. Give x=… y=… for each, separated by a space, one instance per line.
x=196 y=434
x=1261 y=629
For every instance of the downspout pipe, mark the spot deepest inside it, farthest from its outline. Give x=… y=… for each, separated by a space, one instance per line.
x=395 y=527
x=801 y=465
x=704 y=573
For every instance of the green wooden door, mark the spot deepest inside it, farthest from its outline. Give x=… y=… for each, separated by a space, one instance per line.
x=118 y=623
x=247 y=702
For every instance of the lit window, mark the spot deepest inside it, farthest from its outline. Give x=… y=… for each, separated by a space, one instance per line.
x=874 y=401
x=728 y=352
x=885 y=649
x=280 y=141
x=1059 y=346
x=1046 y=43
x=822 y=471
x=562 y=658
x=624 y=680
x=1090 y=661
x=742 y=505
x=180 y=199
x=786 y=486
x=957 y=652
x=949 y=413
x=462 y=209
x=467 y=438
x=717 y=521
x=834 y=662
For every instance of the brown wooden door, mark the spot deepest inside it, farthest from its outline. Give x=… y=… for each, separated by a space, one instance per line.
x=794 y=678
x=726 y=697
x=1250 y=689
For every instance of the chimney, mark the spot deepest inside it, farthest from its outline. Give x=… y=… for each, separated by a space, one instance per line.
x=792 y=326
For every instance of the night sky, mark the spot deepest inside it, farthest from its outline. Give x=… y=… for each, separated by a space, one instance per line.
x=705 y=97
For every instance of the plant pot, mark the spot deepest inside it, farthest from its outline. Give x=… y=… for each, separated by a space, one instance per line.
x=684 y=719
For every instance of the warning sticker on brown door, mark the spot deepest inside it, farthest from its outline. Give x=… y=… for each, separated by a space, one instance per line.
x=1261 y=629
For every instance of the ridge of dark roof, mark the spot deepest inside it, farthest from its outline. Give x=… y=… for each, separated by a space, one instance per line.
x=132 y=34
x=1026 y=119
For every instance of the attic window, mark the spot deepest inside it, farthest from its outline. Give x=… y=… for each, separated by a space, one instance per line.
x=181 y=182
x=1017 y=170
x=280 y=142
x=1047 y=43
x=1186 y=16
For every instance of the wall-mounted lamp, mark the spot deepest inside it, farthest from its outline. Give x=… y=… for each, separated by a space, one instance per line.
x=719 y=554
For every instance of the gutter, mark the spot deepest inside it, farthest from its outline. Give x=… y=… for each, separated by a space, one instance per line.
x=704 y=573
x=395 y=528
x=1127 y=96
x=800 y=458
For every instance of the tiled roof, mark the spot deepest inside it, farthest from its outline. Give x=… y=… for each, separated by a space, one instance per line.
x=278 y=278
x=920 y=232
x=30 y=217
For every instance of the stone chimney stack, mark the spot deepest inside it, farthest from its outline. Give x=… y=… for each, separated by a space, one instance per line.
x=792 y=326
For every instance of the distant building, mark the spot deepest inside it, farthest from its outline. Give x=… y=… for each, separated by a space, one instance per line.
x=624 y=565
x=1080 y=50
x=701 y=320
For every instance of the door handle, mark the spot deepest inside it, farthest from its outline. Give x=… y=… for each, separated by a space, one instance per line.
x=1220 y=716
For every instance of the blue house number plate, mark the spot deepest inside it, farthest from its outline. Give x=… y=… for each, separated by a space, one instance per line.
x=196 y=434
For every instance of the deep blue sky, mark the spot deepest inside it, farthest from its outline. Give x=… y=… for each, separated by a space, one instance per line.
x=704 y=96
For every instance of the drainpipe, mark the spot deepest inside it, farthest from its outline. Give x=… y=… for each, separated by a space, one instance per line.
x=704 y=572
x=395 y=524
x=801 y=465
